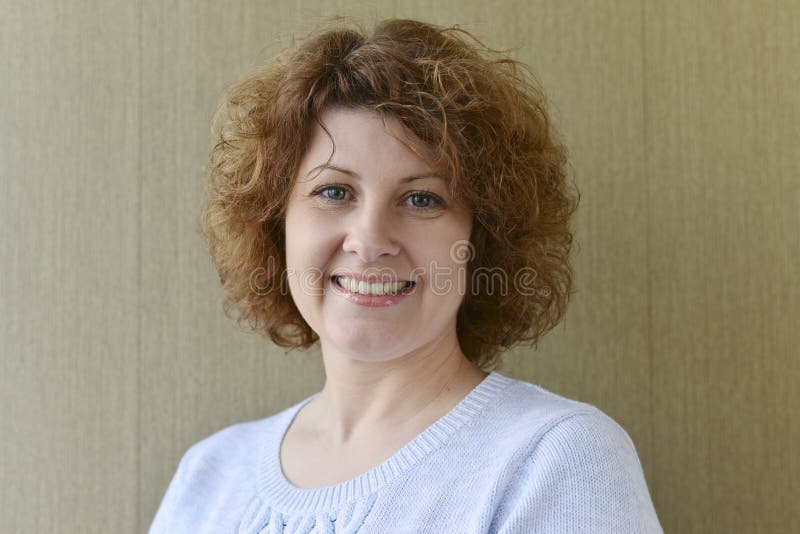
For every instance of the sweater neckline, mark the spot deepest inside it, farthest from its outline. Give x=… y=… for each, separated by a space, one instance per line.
x=285 y=496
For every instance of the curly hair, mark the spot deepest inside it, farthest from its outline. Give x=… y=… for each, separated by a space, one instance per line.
x=482 y=114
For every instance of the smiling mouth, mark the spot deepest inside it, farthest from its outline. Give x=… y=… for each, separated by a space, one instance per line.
x=372 y=290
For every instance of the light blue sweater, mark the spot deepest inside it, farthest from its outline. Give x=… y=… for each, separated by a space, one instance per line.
x=511 y=457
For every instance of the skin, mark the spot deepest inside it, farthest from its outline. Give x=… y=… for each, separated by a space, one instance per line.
x=390 y=372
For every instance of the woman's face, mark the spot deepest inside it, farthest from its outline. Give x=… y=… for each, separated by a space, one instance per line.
x=368 y=216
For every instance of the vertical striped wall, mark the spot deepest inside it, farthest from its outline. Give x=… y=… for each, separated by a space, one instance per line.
x=683 y=123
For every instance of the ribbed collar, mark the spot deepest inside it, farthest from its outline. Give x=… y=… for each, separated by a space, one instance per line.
x=283 y=495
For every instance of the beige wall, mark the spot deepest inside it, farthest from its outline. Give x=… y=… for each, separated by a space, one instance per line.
x=682 y=118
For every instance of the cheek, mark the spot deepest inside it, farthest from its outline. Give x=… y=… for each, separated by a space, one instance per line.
x=309 y=244
x=307 y=255
x=446 y=247
x=443 y=255
x=443 y=277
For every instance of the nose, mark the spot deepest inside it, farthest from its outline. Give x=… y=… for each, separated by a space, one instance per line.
x=371 y=236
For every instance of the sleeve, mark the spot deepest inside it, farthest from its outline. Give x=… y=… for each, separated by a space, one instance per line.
x=171 y=502
x=582 y=476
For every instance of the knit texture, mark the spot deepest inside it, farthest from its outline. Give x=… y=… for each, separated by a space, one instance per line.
x=511 y=457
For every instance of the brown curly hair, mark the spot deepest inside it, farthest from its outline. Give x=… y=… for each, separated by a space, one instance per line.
x=482 y=114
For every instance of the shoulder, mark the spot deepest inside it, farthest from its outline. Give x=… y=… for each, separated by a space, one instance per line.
x=583 y=444
x=528 y=412
x=556 y=430
x=238 y=444
x=575 y=468
x=580 y=423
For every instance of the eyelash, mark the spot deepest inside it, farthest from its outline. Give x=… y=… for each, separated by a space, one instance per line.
x=436 y=204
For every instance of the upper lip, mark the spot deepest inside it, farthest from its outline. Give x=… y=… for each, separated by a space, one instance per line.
x=370 y=278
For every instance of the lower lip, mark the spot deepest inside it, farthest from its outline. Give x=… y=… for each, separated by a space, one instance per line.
x=372 y=301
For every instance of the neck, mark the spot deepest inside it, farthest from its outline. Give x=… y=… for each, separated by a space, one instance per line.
x=361 y=400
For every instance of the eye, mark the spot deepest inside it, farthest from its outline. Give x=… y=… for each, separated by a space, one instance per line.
x=330 y=193
x=420 y=200
x=423 y=200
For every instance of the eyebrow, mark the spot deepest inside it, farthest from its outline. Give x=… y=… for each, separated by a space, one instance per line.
x=355 y=174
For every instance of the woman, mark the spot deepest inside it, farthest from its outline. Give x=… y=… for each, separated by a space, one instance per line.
x=399 y=197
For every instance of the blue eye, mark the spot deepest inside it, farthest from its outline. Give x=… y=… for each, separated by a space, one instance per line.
x=420 y=200
x=428 y=200
x=335 y=189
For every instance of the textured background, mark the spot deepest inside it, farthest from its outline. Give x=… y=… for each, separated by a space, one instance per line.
x=683 y=122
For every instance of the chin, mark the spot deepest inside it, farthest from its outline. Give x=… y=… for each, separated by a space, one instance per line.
x=375 y=346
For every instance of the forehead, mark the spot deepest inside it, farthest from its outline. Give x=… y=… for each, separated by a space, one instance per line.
x=366 y=139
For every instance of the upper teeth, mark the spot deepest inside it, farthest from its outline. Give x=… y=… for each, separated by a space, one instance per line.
x=366 y=288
